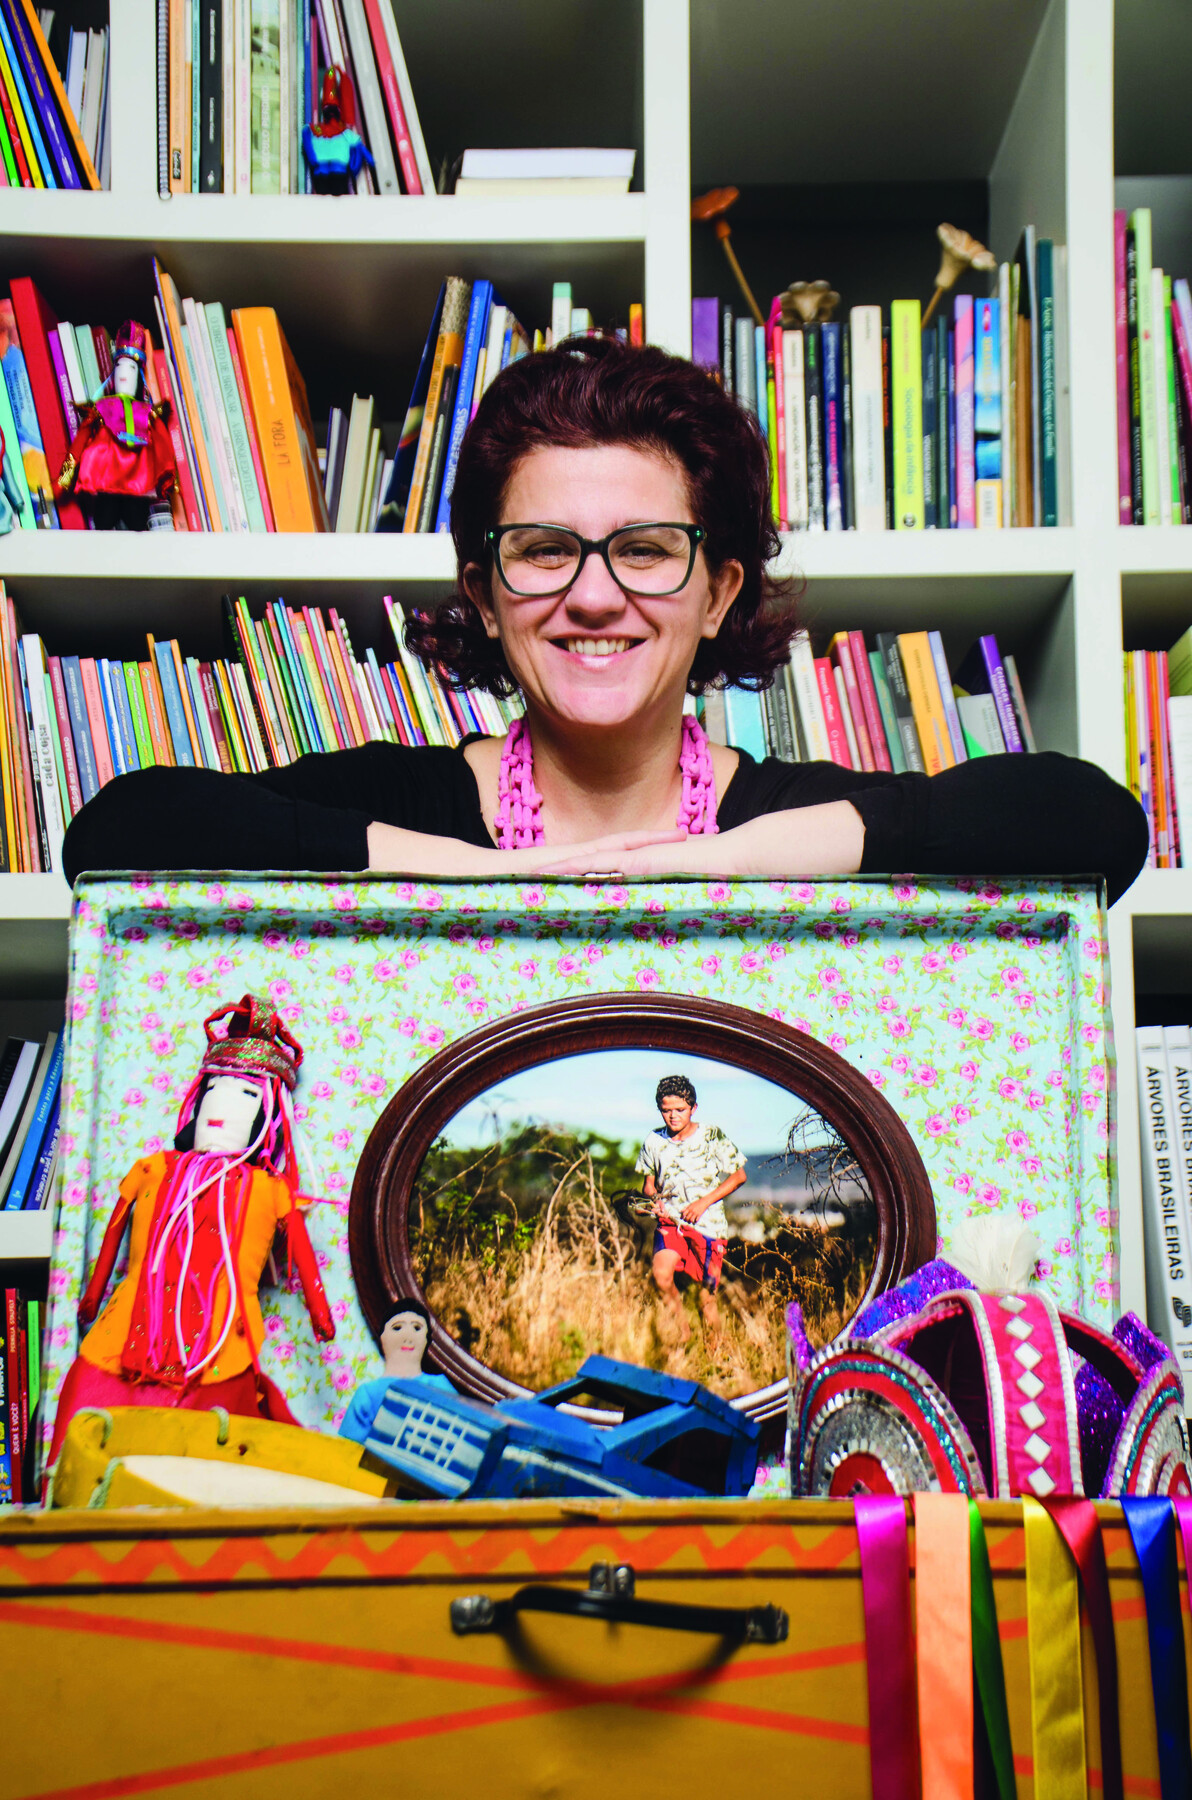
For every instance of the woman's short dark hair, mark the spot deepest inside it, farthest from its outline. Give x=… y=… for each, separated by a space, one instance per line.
x=594 y=391
x=678 y=1086
x=407 y=1304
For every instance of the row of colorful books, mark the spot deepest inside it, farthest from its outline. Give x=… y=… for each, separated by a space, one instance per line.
x=1154 y=381
x=292 y=685
x=1158 y=702
x=30 y=1092
x=20 y=1395
x=895 y=707
x=41 y=144
x=472 y=336
x=239 y=80
x=1164 y=1061
x=82 y=56
x=882 y=425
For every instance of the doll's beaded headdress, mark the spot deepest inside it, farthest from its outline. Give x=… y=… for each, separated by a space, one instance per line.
x=255 y=1043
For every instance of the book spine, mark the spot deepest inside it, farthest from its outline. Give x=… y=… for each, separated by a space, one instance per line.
x=189 y=409
x=930 y=432
x=778 y=360
x=186 y=484
x=237 y=445
x=907 y=396
x=947 y=699
x=155 y=711
x=97 y=724
x=848 y=503
x=1006 y=449
x=392 y=92
x=1171 y=410
x=869 y=476
x=140 y=718
x=16 y=161
x=74 y=787
x=869 y=701
x=215 y=718
x=369 y=93
x=40 y=802
x=250 y=428
x=795 y=422
x=263 y=362
x=474 y=336
x=1140 y=222
x=900 y=696
x=926 y=704
x=1165 y=1224
x=111 y=719
x=1134 y=376
x=1047 y=395
x=184 y=756
x=813 y=382
x=966 y=499
x=1125 y=506
x=834 y=505
x=129 y=743
x=43 y=746
x=808 y=702
x=18 y=1187
x=38 y=1193
x=72 y=682
x=842 y=652
x=210 y=96
x=999 y=687
x=12 y=1392
x=833 y=723
x=987 y=415
x=896 y=755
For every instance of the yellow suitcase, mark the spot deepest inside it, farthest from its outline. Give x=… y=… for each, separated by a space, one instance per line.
x=251 y=1654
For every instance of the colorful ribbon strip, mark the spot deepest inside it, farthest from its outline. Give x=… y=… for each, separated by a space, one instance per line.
x=1152 y=1527
x=944 y=1641
x=987 y=1660
x=1079 y=1526
x=889 y=1661
x=1053 y=1638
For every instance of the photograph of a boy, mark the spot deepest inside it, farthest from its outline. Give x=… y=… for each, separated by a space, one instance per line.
x=690 y=1170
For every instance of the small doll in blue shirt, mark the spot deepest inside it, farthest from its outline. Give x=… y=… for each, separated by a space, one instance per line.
x=404 y=1338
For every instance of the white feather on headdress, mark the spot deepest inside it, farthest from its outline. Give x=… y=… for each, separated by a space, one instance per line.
x=997 y=1252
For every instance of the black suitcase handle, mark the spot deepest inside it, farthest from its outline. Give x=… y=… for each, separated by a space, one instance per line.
x=609 y=1595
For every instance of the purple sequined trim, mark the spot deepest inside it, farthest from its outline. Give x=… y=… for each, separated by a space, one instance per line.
x=1099 y=1416
x=1142 y=1344
x=801 y=1351
x=938 y=1277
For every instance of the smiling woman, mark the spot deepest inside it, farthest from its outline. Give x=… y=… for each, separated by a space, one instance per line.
x=612 y=527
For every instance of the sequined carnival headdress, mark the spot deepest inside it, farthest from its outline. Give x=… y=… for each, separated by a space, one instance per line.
x=940 y=1386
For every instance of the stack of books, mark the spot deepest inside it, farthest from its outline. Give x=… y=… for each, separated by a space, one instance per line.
x=30 y=1091
x=473 y=335
x=20 y=1395
x=238 y=83
x=894 y=707
x=1154 y=381
x=41 y=142
x=292 y=685
x=1158 y=701
x=543 y=174
x=878 y=425
x=1164 y=1055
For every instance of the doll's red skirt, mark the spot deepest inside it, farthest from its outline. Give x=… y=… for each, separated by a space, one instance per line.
x=249 y=1395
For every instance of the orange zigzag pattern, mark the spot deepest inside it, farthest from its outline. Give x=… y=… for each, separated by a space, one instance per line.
x=368 y=1555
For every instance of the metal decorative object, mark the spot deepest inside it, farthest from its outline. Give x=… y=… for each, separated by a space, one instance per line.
x=998 y=1394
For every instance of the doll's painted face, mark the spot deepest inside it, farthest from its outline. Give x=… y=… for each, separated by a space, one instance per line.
x=126 y=377
x=403 y=1344
x=226 y=1115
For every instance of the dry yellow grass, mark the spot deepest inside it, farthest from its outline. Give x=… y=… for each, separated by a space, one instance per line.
x=579 y=1284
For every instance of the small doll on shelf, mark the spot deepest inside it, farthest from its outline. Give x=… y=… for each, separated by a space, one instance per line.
x=334 y=150
x=121 y=462
x=404 y=1338
x=184 y=1327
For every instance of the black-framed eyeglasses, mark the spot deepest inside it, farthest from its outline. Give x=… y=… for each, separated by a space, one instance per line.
x=539 y=561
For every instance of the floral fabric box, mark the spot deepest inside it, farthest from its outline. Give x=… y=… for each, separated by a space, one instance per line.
x=979 y=1012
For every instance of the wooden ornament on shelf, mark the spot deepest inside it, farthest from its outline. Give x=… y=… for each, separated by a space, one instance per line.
x=713 y=205
x=808 y=303
x=961 y=251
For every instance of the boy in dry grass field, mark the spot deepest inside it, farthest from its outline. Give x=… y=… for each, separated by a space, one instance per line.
x=690 y=1170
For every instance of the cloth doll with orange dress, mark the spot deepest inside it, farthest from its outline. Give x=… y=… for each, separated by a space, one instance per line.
x=184 y=1327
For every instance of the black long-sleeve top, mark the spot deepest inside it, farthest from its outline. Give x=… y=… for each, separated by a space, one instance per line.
x=1045 y=815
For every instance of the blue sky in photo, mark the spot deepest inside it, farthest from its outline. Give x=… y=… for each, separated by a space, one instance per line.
x=612 y=1092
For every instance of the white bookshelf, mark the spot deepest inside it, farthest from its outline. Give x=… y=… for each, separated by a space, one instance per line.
x=1018 y=93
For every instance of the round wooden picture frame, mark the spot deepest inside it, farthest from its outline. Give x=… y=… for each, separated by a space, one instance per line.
x=388 y=1169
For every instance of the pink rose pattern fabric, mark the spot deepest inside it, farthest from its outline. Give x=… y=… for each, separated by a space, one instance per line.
x=979 y=1011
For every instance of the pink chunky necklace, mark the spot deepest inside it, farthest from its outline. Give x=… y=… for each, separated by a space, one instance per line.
x=518 y=823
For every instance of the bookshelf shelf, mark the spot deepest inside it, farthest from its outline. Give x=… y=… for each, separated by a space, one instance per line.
x=1018 y=95
x=26 y=1237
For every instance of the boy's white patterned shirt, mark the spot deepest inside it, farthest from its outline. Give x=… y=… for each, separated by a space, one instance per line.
x=685 y=1169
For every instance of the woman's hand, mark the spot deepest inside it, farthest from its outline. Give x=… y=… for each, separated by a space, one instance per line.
x=807 y=840
x=400 y=852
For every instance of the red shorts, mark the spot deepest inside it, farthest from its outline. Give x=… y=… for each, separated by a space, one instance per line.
x=699 y=1257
